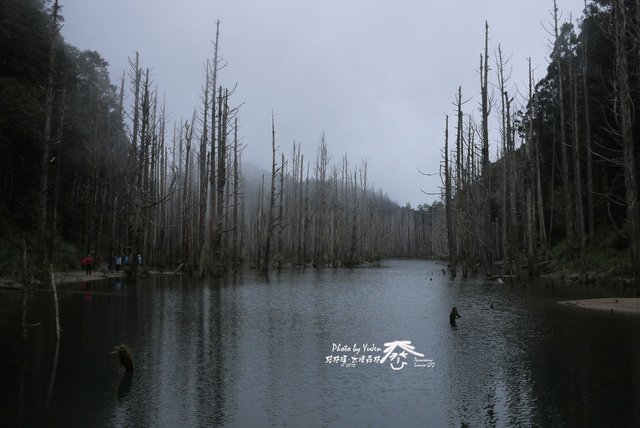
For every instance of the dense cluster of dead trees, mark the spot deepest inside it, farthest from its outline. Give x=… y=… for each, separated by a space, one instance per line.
x=323 y=214
x=194 y=205
x=179 y=197
x=299 y=213
x=506 y=214
x=304 y=213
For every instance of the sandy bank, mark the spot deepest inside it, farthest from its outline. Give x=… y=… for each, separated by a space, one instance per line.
x=621 y=304
x=66 y=278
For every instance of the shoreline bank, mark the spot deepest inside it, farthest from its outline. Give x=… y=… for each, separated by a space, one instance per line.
x=611 y=304
x=65 y=278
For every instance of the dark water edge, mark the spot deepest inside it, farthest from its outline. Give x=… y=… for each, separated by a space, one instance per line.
x=246 y=352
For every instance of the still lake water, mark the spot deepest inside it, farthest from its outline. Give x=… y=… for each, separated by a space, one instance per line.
x=247 y=353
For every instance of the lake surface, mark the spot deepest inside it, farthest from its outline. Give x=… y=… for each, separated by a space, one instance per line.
x=247 y=352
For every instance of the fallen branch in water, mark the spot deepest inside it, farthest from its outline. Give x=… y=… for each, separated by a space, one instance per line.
x=179 y=267
x=96 y=293
x=38 y=324
x=499 y=278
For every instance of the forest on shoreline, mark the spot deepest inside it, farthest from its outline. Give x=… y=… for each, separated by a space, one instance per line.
x=563 y=192
x=89 y=166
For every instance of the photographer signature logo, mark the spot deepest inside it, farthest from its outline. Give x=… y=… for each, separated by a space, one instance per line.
x=396 y=354
x=398 y=358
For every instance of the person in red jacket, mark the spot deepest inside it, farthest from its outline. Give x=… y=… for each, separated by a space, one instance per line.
x=89 y=263
x=83 y=263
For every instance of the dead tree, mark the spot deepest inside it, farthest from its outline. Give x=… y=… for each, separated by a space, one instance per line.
x=566 y=183
x=139 y=196
x=486 y=178
x=46 y=137
x=625 y=122
x=266 y=260
x=506 y=161
x=509 y=215
x=587 y=126
x=203 y=167
x=133 y=166
x=513 y=191
x=185 y=211
x=206 y=259
x=580 y=224
x=223 y=117
x=58 y=170
x=237 y=190
x=307 y=218
x=531 y=180
x=448 y=201
x=320 y=215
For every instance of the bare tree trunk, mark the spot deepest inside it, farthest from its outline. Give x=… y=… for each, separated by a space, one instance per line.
x=56 y=190
x=280 y=223
x=320 y=216
x=460 y=202
x=306 y=218
x=448 y=203
x=364 y=217
x=352 y=259
x=587 y=127
x=513 y=194
x=266 y=260
x=566 y=184
x=133 y=168
x=484 y=85
x=582 y=234
x=188 y=134
x=93 y=184
x=237 y=232
x=223 y=117
x=202 y=200
x=136 y=76
x=46 y=140
x=541 y=219
x=506 y=158
x=207 y=257
x=532 y=255
x=625 y=119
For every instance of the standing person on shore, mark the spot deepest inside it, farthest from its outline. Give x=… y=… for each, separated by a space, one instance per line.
x=83 y=263
x=118 y=262
x=89 y=263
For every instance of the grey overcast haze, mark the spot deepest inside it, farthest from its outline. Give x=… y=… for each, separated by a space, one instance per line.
x=377 y=77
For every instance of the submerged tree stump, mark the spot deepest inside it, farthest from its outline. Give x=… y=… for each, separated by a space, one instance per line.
x=126 y=357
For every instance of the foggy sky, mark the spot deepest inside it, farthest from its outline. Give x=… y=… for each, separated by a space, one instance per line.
x=377 y=77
